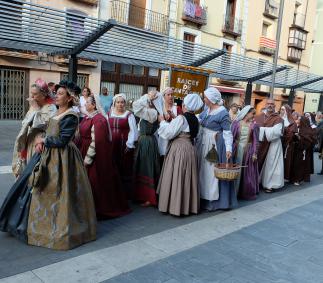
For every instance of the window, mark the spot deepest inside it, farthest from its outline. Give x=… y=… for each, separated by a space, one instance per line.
x=188 y=47
x=131 y=91
x=227 y=47
x=125 y=69
x=108 y=66
x=153 y=72
x=109 y=85
x=264 y=31
x=75 y=23
x=294 y=54
x=189 y=37
x=297 y=38
x=82 y=79
x=150 y=88
x=138 y=70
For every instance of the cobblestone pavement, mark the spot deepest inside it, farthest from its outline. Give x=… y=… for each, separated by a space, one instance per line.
x=278 y=238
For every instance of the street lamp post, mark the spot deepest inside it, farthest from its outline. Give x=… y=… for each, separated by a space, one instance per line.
x=279 y=27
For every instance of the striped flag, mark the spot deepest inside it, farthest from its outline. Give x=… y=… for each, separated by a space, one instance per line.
x=267 y=42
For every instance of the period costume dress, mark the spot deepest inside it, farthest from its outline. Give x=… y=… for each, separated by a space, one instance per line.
x=178 y=185
x=147 y=158
x=124 y=136
x=288 y=141
x=162 y=142
x=96 y=149
x=305 y=139
x=33 y=126
x=270 y=153
x=62 y=214
x=245 y=148
x=215 y=194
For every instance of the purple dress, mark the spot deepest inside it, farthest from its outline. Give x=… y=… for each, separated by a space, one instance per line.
x=248 y=187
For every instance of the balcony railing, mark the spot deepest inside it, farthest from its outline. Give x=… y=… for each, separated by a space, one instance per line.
x=232 y=26
x=299 y=20
x=271 y=9
x=139 y=17
x=267 y=46
x=194 y=13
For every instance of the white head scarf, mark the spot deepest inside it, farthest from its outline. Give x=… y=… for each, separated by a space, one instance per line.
x=159 y=103
x=193 y=102
x=285 y=118
x=243 y=113
x=122 y=95
x=213 y=95
x=167 y=90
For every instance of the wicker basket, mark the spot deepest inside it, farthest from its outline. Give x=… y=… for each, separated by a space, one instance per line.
x=227 y=172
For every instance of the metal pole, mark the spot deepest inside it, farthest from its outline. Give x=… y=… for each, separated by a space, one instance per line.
x=291 y=97
x=320 y=108
x=247 y=100
x=279 y=27
x=72 y=68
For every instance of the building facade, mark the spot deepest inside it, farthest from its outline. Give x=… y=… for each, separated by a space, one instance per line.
x=314 y=101
x=246 y=27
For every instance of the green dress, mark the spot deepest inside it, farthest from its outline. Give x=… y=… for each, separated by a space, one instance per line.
x=147 y=163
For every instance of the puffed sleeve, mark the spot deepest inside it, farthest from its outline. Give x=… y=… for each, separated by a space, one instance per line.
x=90 y=154
x=170 y=130
x=42 y=116
x=227 y=134
x=67 y=126
x=141 y=109
x=133 y=133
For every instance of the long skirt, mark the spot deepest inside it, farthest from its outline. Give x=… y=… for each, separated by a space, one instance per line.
x=62 y=214
x=147 y=169
x=215 y=194
x=178 y=184
x=15 y=208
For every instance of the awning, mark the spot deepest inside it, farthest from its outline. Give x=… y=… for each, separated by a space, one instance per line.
x=33 y=27
x=239 y=91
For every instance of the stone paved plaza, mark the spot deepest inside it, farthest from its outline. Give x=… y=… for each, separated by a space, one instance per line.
x=278 y=238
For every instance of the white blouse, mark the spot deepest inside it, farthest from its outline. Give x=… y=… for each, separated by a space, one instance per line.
x=174 y=128
x=82 y=107
x=133 y=133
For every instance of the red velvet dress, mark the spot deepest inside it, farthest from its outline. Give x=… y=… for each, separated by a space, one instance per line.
x=120 y=130
x=109 y=198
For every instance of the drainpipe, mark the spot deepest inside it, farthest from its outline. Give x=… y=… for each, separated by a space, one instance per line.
x=279 y=27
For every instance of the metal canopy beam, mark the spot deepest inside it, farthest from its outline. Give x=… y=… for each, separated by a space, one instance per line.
x=266 y=74
x=29 y=26
x=307 y=83
x=91 y=38
x=207 y=58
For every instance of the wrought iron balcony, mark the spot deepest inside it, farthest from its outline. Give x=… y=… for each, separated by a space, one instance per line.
x=139 y=17
x=232 y=26
x=267 y=46
x=271 y=9
x=299 y=20
x=194 y=13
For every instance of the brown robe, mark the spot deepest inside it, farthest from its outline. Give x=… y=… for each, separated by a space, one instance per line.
x=264 y=120
x=289 y=143
x=302 y=157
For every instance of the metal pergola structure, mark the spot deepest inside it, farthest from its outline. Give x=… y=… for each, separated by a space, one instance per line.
x=33 y=27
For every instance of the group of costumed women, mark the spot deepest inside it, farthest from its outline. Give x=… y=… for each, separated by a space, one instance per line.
x=76 y=164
